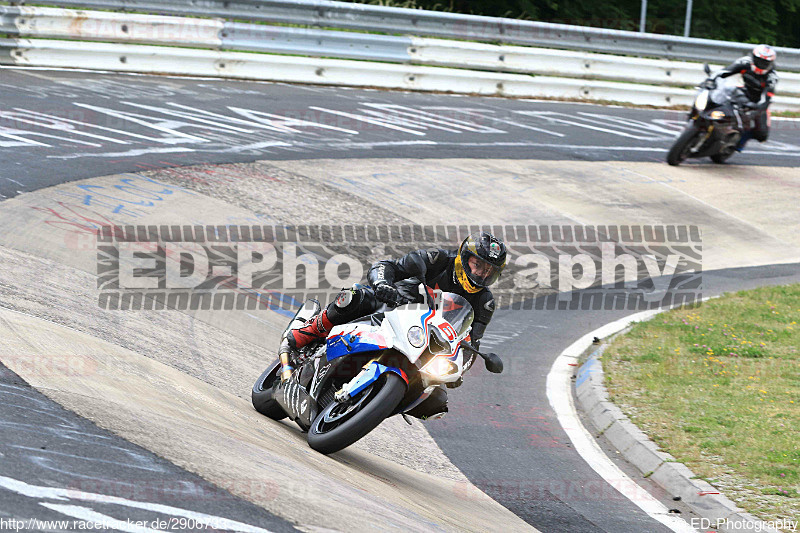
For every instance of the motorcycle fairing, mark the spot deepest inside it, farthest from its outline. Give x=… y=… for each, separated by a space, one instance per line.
x=295 y=400
x=370 y=375
x=400 y=323
x=422 y=397
x=354 y=338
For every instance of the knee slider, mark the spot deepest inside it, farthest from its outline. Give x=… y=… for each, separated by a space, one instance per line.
x=349 y=299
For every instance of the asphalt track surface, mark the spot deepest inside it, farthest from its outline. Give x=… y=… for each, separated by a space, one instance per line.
x=44 y=445
x=518 y=453
x=57 y=126
x=501 y=434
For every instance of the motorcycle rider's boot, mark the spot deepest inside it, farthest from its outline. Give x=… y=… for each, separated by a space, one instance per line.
x=746 y=136
x=315 y=328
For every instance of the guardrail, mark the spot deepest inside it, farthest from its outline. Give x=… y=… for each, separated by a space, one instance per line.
x=196 y=62
x=592 y=71
x=392 y=20
x=586 y=65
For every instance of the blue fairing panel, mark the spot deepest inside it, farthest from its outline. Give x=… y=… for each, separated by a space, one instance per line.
x=354 y=341
x=370 y=375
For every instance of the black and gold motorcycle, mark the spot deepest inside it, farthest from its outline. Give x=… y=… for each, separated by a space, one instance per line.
x=721 y=113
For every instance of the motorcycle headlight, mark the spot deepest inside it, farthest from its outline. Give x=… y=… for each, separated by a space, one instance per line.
x=416 y=336
x=701 y=101
x=440 y=367
x=716 y=114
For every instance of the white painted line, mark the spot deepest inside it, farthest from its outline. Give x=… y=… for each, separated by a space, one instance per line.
x=559 y=394
x=550 y=116
x=636 y=126
x=85 y=124
x=130 y=153
x=193 y=116
x=21 y=141
x=427 y=120
x=748 y=153
x=93 y=517
x=283 y=122
x=366 y=119
x=482 y=113
x=58 y=126
x=54 y=493
x=550 y=145
x=255 y=146
x=372 y=144
x=569 y=146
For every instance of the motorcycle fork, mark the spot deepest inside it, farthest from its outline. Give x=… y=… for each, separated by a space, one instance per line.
x=703 y=140
x=341 y=395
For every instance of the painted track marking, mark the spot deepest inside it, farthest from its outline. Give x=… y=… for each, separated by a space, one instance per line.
x=559 y=394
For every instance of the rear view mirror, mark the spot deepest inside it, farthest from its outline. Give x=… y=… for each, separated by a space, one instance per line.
x=493 y=363
x=707 y=69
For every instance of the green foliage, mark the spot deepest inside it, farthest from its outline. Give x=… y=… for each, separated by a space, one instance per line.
x=775 y=22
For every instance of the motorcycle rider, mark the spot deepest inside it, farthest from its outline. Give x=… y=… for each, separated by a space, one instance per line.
x=760 y=79
x=468 y=272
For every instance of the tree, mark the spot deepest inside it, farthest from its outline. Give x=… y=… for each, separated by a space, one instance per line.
x=775 y=22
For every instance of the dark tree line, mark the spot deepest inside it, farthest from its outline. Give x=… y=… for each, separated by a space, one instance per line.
x=775 y=22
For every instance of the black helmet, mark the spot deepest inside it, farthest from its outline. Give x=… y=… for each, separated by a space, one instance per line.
x=763 y=59
x=490 y=253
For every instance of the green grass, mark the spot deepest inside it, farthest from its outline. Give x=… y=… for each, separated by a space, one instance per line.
x=718 y=387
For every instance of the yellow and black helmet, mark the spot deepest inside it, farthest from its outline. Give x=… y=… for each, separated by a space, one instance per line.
x=480 y=261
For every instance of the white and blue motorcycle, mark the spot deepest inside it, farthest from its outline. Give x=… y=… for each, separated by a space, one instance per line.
x=380 y=365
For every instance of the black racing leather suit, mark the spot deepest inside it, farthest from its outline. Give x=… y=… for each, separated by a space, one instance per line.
x=437 y=268
x=759 y=89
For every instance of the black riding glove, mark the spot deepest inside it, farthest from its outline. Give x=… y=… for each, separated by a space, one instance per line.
x=388 y=294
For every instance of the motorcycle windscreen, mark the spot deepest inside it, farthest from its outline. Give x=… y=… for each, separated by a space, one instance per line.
x=725 y=92
x=457 y=311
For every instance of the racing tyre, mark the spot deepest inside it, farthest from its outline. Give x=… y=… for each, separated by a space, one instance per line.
x=262 y=393
x=680 y=149
x=341 y=424
x=721 y=157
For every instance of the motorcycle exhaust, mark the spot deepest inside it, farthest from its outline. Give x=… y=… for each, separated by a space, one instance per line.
x=286 y=369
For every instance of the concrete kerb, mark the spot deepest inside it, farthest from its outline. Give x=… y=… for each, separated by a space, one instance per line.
x=677 y=480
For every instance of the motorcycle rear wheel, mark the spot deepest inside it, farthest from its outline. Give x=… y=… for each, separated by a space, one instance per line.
x=680 y=149
x=341 y=424
x=261 y=395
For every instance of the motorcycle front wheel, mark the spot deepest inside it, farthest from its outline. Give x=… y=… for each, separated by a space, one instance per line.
x=341 y=424
x=680 y=149
x=721 y=157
